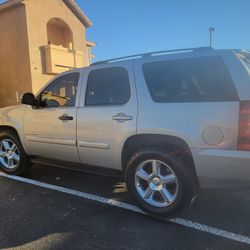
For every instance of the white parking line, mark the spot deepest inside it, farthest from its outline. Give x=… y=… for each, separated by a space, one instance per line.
x=183 y=222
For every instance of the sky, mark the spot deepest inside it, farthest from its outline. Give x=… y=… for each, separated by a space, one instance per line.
x=124 y=27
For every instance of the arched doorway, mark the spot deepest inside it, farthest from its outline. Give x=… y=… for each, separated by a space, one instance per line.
x=59 y=33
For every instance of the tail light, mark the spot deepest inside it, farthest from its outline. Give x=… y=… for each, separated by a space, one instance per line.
x=244 y=126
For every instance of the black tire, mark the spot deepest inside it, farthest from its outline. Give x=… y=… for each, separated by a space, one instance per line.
x=23 y=164
x=185 y=179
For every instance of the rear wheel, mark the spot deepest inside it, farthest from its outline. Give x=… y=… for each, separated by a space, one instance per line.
x=13 y=159
x=160 y=183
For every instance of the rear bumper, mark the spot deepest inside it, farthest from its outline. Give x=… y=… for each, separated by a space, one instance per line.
x=217 y=168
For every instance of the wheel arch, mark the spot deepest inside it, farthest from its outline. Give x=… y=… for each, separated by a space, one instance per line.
x=9 y=128
x=14 y=130
x=174 y=144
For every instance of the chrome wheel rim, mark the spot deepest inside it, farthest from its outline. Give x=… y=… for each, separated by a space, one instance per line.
x=9 y=154
x=156 y=183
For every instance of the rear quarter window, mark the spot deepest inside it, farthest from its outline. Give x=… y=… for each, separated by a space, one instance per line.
x=203 y=79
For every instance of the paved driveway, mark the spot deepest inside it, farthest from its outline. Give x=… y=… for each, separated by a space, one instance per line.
x=56 y=208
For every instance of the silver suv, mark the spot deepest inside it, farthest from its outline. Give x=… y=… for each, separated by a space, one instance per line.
x=170 y=121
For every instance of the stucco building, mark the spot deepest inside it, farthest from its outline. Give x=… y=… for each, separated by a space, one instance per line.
x=39 y=39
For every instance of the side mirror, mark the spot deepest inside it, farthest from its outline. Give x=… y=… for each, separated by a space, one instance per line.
x=29 y=99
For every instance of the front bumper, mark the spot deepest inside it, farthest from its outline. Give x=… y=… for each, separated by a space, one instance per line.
x=218 y=168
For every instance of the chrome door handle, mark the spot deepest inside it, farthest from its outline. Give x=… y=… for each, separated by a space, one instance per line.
x=65 y=117
x=121 y=117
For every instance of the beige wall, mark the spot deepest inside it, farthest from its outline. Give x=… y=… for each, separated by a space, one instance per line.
x=38 y=13
x=24 y=40
x=14 y=55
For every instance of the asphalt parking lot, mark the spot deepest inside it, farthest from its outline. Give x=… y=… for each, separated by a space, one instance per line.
x=74 y=214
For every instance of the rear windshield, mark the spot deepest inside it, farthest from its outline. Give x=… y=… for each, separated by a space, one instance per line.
x=203 y=79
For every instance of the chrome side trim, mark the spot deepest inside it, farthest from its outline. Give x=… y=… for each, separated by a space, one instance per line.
x=51 y=141
x=93 y=145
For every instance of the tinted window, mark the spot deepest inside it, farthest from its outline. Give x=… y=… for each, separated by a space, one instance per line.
x=61 y=92
x=108 y=86
x=190 y=80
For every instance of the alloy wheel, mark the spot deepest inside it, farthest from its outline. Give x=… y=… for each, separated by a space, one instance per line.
x=156 y=183
x=9 y=154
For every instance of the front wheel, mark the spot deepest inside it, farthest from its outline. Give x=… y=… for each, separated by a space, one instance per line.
x=13 y=159
x=160 y=183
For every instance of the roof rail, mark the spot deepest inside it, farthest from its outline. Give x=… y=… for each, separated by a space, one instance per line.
x=152 y=54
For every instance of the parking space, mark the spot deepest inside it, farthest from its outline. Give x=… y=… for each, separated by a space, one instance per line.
x=36 y=215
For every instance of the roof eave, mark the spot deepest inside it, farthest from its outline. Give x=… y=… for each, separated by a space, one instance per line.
x=90 y=44
x=78 y=12
x=70 y=3
x=8 y=4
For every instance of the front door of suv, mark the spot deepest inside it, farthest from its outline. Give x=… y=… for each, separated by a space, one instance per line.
x=107 y=114
x=50 y=130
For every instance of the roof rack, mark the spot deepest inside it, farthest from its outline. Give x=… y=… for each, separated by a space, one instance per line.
x=162 y=52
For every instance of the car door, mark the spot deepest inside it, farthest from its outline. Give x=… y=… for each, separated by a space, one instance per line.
x=50 y=130
x=107 y=115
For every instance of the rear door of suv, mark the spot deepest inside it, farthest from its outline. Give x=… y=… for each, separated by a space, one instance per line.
x=191 y=96
x=107 y=115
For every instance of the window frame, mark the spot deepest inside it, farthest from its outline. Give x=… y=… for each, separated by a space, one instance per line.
x=39 y=95
x=107 y=104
